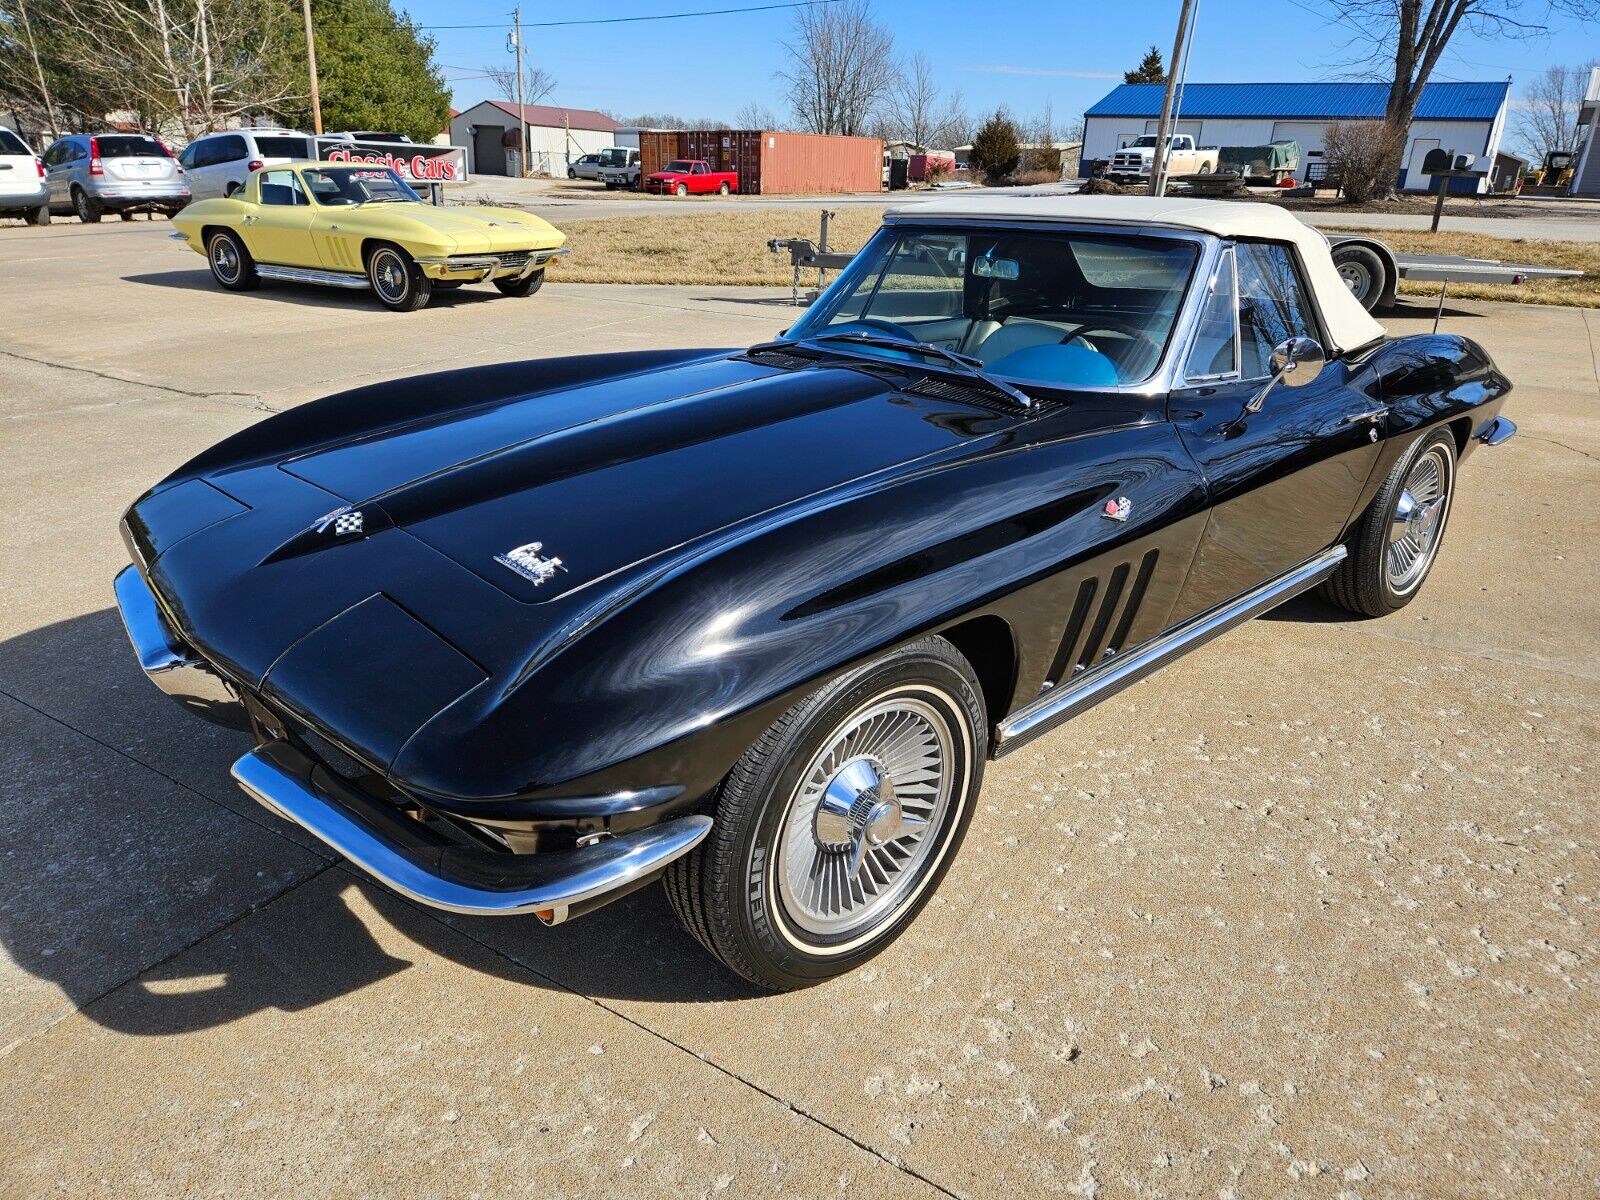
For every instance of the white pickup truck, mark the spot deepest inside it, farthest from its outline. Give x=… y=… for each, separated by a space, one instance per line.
x=1134 y=162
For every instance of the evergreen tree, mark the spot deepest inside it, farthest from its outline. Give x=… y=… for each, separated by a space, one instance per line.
x=376 y=71
x=1149 y=69
x=996 y=150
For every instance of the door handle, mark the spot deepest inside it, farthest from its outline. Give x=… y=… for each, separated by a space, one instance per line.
x=1374 y=415
x=250 y=220
x=333 y=229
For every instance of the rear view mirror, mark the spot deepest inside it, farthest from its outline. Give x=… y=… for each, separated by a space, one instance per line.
x=996 y=268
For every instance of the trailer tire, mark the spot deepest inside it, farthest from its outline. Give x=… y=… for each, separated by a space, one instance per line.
x=1362 y=270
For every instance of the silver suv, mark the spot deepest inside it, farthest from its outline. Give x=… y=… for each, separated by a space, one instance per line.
x=122 y=173
x=219 y=163
x=22 y=187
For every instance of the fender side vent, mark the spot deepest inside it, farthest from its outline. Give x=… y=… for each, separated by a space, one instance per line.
x=1085 y=642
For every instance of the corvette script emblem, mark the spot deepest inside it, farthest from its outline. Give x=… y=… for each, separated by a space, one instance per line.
x=529 y=563
x=1118 y=509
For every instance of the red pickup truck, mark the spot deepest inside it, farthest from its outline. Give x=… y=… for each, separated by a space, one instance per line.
x=684 y=176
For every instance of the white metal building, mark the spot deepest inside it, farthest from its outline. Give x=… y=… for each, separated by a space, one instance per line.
x=1468 y=118
x=1586 y=171
x=557 y=137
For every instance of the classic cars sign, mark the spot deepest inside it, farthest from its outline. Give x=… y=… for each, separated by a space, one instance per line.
x=413 y=163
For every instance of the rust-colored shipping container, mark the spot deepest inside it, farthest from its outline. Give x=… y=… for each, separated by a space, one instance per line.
x=771 y=162
x=799 y=163
x=658 y=147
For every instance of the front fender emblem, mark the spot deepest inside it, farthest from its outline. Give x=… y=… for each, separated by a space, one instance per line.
x=342 y=521
x=1118 y=509
x=528 y=562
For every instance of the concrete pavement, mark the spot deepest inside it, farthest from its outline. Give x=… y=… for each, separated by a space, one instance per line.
x=1313 y=912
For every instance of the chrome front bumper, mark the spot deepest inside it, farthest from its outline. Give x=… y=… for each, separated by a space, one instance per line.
x=396 y=850
x=172 y=665
x=472 y=268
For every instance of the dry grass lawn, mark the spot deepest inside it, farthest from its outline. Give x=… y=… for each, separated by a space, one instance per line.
x=731 y=248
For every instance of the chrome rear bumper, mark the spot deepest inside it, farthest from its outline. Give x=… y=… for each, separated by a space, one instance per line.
x=1496 y=432
x=402 y=853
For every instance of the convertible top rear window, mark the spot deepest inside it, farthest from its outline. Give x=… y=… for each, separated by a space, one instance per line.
x=1059 y=308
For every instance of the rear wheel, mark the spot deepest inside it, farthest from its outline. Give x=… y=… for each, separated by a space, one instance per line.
x=231 y=264
x=834 y=829
x=396 y=278
x=37 y=216
x=723 y=190
x=526 y=286
x=125 y=215
x=86 y=208
x=1395 y=543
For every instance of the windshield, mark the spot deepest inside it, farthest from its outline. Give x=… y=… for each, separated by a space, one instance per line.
x=335 y=186
x=679 y=167
x=613 y=158
x=1064 y=309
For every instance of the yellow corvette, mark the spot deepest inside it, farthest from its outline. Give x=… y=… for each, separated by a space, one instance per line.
x=359 y=226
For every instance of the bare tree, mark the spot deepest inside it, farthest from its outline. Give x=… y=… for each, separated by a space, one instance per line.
x=1411 y=35
x=841 y=66
x=24 y=82
x=756 y=116
x=194 y=64
x=1361 y=154
x=537 y=83
x=1548 y=117
x=916 y=111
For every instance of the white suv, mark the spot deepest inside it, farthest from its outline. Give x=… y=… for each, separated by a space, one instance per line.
x=219 y=163
x=24 y=191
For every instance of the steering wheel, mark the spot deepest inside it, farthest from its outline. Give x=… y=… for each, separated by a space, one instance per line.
x=877 y=326
x=1111 y=325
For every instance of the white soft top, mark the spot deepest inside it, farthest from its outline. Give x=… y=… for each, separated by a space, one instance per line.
x=1349 y=325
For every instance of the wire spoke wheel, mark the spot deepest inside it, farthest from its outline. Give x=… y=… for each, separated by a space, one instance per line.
x=863 y=820
x=1418 y=519
x=391 y=276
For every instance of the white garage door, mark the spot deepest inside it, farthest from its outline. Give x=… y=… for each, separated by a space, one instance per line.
x=1308 y=133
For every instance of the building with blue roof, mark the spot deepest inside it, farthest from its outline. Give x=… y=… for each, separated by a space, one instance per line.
x=1468 y=118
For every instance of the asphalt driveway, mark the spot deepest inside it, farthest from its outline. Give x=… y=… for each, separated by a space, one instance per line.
x=1313 y=912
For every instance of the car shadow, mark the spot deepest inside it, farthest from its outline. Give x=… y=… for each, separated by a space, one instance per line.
x=100 y=896
x=314 y=295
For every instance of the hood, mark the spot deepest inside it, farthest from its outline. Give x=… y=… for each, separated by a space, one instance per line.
x=607 y=475
x=478 y=229
x=484 y=530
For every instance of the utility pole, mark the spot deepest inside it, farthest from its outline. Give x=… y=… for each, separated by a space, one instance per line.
x=1158 y=170
x=522 y=112
x=311 y=62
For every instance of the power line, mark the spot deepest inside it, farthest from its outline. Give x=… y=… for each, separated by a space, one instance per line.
x=676 y=16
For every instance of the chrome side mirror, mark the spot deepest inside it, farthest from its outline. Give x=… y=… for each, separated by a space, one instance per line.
x=1295 y=362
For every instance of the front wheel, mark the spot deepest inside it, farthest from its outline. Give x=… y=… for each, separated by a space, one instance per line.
x=834 y=829
x=1394 y=545
x=526 y=286
x=681 y=190
x=398 y=281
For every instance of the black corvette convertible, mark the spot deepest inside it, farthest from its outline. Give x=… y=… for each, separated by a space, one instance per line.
x=522 y=638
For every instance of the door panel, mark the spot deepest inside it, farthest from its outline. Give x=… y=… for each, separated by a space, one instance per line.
x=280 y=232
x=1284 y=480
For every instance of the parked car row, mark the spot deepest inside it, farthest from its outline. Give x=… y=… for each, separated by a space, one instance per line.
x=129 y=173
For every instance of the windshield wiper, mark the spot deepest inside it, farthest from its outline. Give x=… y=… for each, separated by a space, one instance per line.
x=965 y=363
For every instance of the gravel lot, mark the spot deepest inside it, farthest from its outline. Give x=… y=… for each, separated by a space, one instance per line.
x=1312 y=913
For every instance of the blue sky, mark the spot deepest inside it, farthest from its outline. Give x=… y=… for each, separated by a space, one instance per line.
x=1019 y=54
